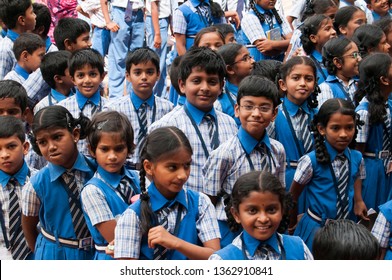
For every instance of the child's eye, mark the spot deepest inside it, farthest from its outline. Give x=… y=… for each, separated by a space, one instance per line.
x=93 y=74
x=272 y=210
x=150 y=72
x=119 y=149
x=41 y=142
x=295 y=78
x=196 y=81
x=12 y=146
x=213 y=82
x=172 y=167
x=137 y=73
x=310 y=79
x=103 y=149
x=252 y=211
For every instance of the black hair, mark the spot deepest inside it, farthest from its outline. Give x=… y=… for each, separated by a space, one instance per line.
x=258 y=86
x=335 y=47
x=260 y=16
x=69 y=28
x=205 y=30
x=141 y=55
x=173 y=74
x=310 y=27
x=216 y=10
x=371 y=69
x=11 y=10
x=13 y=89
x=29 y=42
x=343 y=16
x=225 y=28
x=10 y=126
x=367 y=37
x=385 y=24
x=345 y=240
x=258 y=181
x=288 y=66
x=316 y=7
x=83 y=57
x=229 y=52
x=203 y=58
x=159 y=143
x=43 y=19
x=330 y=107
x=56 y=117
x=268 y=68
x=54 y=63
x=110 y=122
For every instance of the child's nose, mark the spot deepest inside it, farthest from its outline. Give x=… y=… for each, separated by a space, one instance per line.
x=4 y=153
x=182 y=174
x=263 y=217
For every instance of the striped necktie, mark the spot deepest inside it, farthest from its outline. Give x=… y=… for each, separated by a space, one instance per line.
x=142 y=114
x=262 y=149
x=263 y=248
x=19 y=248
x=386 y=142
x=304 y=132
x=205 y=9
x=78 y=221
x=160 y=251
x=342 y=196
x=214 y=141
x=125 y=189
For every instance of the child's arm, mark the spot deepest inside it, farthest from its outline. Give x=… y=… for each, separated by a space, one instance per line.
x=180 y=43
x=29 y=227
x=79 y=9
x=360 y=209
x=106 y=229
x=155 y=24
x=272 y=47
x=110 y=25
x=159 y=235
x=234 y=17
x=295 y=190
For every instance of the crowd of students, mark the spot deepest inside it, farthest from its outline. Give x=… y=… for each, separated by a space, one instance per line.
x=271 y=141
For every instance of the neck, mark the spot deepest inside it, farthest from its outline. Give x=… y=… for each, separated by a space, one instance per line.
x=343 y=78
x=25 y=67
x=63 y=90
x=235 y=80
x=143 y=97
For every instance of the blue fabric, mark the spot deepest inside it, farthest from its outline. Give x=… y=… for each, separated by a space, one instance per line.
x=101 y=40
x=20 y=176
x=137 y=101
x=21 y=72
x=82 y=100
x=319 y=58
x=197 y=114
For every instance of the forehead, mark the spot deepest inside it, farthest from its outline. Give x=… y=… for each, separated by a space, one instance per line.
x=6 y=140
x=339 y=118
x=210 y=36
x=201 y=71
x=83 y=35
x=256 y=100
x=8 y=103
x=143 y=65
x=86 y=68
x=302 y=69
x=111 y=138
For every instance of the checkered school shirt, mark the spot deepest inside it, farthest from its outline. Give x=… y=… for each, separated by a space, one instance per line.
x=226 y=127
x=382 y=230
x=229 y=161
x=128 y=232
x=7 y=57
x=326 y=91
x=124 y=105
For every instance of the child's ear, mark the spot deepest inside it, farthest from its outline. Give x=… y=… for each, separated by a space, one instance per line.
x=337 y=62
x=148 y=167
x=313 y=38
x=274 y=114
x=68 y=45
x=181 y=85
x=230 y=70
x=90 y=150
x=58 y=79
x=237 y=110
x=127 y=75
x=342 y=30
x=282 y=85
x=76 y=134
x=24 y=56
x=26 y=147
x=235 y=214
x=28 y=115
x=321 y=129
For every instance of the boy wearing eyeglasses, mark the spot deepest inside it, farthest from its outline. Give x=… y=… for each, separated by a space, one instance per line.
x=250 y=149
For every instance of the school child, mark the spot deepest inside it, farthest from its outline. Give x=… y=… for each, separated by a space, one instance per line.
x=361 y=4
x=266 y=30
x=55 y=72
x=382 y=230
x=373 y=139
x=201 y=78
x=269 y=69
x=141 y=106
x=192 y=16
x=297 y=12
x=107 y=195
x=209 y=37
x=14 y=174
x=251 y=149
x=239 y=64
x=72 y=34
x=370 y=38
x=386 y=25
x=317 y=7
x=227 y=31
x=347 y=19
x=259 y=206
x=296 y=112
x=28 y=49
x=43 y=21
x=345 y=240
x=341 y=57
x=86 y=67
x=316 y=31
x=332 y=174
x=168 y=221
x=379 y=9
x=19 y=18
x=52 y=197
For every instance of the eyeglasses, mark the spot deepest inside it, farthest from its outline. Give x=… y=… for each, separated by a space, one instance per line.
x=244 y=59
x=354 y=55
x=251 y=108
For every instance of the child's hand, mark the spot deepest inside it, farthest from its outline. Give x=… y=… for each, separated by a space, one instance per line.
x=110 y=249
x=266 y=47
x=360 y=210
x=160 y=236
x=112 y=26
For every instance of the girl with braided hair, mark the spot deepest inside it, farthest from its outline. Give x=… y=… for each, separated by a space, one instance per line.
x=331 y=174
x=374 y=87
x=168 y=221
x=266 y=30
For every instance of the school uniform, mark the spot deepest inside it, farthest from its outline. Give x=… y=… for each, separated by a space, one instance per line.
x=334 y=87
x=49 y=46
x=192 y=16
x=232 y=159
x=53 y=98
x=360 y=4
x=22 y=177
x=102 y=202
x=278 y=247
x=77 y=104
x=191 y=218
x=7 y=57
x=297 y=10
x=321 y=193
x=295 y=42
x=376 y=186
x=226 y=101
x=129 y=105
x=377 y=17
x=382 y=228
x=191 y=121
x=254 y=30
x=46 y=197
x=322 y=72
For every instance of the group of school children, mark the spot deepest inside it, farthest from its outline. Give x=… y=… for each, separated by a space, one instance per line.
x=274 y=139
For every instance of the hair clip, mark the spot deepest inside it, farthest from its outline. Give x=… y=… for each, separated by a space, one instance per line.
x=100 y=125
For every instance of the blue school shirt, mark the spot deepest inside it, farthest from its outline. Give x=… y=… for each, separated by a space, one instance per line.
x=117 y=205
x=337 y=89
x=322 y=72
x=54 y=213
x=386 y=210
x=228 y=99
x=187 y=229
x=21 y=72
x=293 y=247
